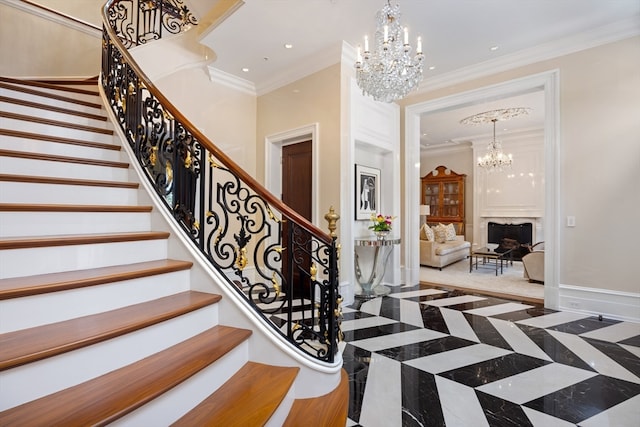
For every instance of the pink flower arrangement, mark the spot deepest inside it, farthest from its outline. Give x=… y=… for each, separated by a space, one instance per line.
x=381 y=222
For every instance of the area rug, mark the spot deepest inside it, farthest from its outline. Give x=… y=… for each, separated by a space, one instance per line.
x=511 y=282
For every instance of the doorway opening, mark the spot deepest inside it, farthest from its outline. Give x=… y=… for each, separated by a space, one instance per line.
x=546 y=82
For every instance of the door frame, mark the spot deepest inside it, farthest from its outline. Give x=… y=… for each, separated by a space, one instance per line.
x=273 y=161
x=548 y=82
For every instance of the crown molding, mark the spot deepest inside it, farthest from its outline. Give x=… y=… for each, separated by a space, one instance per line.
x=231 y=81
x=57 y=17
x=586 y=40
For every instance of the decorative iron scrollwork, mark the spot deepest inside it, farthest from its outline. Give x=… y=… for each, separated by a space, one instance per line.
x=283 y=267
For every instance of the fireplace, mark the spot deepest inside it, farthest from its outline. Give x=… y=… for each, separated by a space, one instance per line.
x=522 y=233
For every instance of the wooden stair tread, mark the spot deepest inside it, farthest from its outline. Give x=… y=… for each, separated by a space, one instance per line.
x=79 y=239
x=37 y=343
x=330 y=410
x=249 y=398
x=63 y=159
x=21 y=88
x=16 y=287
x=59 y=139
x=55 y=85
x=67 y=181
x=58 y=123
x=36 y=207
x=62 y=110
x=104 y=399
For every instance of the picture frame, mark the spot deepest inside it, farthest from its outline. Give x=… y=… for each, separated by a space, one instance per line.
x=367 y=192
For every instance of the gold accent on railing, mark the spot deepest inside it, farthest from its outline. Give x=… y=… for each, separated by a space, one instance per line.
x=272 y=216
x=242 y=258
x=196 y=225
x=332 y=218
x=280 y=249
x=188 y=160
x=296 y=326
x=338 y=315
x=169 y=172
x=276 y=286
x=313 y=271
x=153 y=157
x=338 y=247
x=167 y=115
x=131 y=88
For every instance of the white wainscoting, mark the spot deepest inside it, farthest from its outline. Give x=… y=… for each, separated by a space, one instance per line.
x=610 y=304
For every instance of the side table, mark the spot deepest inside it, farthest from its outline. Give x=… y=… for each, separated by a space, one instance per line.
x=370 y=261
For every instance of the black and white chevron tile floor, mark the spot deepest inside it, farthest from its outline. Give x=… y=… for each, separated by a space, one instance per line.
x=423 y=356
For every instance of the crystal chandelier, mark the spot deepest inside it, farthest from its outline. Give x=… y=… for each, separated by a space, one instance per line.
x=495 y=160
x=389 y=71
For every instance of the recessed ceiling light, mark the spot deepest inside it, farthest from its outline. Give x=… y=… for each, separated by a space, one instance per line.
x=288 y=46
x=494 y=48
x=245 y=69
x=433 y=67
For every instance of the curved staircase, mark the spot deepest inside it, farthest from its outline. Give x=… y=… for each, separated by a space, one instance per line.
x=97 y=324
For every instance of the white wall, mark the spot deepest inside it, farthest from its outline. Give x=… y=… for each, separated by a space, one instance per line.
x=598 y=159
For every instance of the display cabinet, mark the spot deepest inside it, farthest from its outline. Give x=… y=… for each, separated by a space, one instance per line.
x=443 y=190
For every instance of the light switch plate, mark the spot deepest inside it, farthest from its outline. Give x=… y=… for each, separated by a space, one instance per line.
x=571 y=221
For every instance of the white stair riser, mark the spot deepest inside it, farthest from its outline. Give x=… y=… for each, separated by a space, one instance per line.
x=49 y=101
x=59 y=306
x=58 y=149
x=23 y=224
x=54 y=115
x=95 y=99
x=44 y=129
x=46 y=168
x=173 y=404
x=31 y=261
x=34 y=380
x=21 y=192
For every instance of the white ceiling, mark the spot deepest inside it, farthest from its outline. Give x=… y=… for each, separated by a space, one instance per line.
x=456 y=34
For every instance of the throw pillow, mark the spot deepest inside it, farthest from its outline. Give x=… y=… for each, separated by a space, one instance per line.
x=440 y=233
x=429 y=232
x=426 y=233
x=450 y=232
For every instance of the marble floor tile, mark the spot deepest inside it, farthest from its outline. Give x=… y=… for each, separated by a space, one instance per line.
x=585 y=399
x=498 y=309
x=594 y=357
x=453 y=301
x=535 y=383
x=553 y=319
x=451 y=393
x=626 y=413
x=614 y=333
x=397 y=340
x=428 y=357
x=457 y=358
x=518 y=340
x=458 y=325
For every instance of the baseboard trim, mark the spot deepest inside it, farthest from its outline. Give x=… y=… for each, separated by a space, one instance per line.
x=610 y=304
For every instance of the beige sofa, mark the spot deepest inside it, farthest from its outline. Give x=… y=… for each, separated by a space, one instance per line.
x=441 y=254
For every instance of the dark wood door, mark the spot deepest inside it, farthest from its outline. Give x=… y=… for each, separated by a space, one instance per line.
x=296 y=192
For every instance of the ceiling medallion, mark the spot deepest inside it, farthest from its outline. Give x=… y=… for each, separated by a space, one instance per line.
x=495 y=160
x=389 y=71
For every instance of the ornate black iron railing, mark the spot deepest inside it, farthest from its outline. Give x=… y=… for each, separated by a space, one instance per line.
x=283 y=265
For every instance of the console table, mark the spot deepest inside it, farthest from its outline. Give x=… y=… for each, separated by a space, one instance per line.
x=370 y=261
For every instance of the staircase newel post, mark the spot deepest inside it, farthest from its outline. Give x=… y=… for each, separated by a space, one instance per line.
x=335 y=332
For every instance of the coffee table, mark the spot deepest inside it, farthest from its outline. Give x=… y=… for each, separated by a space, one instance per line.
x=500 y=258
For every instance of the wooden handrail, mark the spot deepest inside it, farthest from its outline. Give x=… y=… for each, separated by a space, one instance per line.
x=60 y=14
x=204 y=141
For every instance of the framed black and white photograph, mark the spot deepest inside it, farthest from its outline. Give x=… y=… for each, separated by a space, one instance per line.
x=367 y=192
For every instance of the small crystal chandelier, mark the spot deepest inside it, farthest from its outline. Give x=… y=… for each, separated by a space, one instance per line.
x=389 y=72
x=495 y=160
